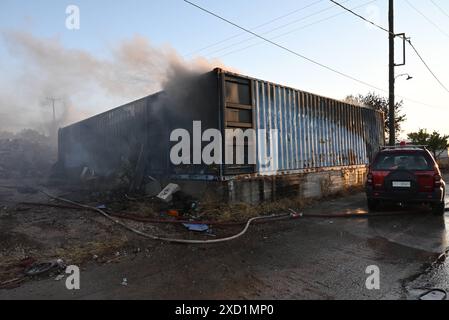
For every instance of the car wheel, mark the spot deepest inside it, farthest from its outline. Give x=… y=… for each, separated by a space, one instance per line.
x=373 y=205
x=438 y=209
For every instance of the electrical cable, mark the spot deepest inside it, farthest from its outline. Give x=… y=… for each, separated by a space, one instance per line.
x=256 y=27
x=285 y=48
x=296 y=29
x=439 y=8
x=279 y=27
x=300 y=55
x=428 y=19
x=402 y=37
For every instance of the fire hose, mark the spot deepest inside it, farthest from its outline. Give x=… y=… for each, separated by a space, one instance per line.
x=172 y=240
x=292 y=215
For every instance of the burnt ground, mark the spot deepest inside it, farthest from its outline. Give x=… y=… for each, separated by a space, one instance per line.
x=307 y=258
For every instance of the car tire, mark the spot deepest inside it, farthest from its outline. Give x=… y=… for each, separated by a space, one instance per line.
x=438 y=209
x=373 y=205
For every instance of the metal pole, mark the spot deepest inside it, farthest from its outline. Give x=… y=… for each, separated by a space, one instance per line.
x=54 y=114
x=391 y=113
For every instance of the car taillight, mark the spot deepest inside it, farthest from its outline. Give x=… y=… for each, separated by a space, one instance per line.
x=437 y=179
x=369 y=179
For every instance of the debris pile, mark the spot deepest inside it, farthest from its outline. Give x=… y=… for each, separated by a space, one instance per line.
x=27 y=154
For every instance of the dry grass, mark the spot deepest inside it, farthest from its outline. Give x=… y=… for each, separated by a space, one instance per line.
x=242 y=211
x=83 y=252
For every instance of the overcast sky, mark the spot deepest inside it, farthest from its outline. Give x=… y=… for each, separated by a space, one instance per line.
x=316 y=29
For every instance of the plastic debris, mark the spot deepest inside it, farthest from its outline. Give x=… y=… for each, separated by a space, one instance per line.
x=173 y=213
x=59 y=277
x=40 y=268
x=434 y=294
x=196 y=227
x=125 y=282
x=166 y=195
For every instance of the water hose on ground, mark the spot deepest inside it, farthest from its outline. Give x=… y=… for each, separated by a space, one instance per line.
x=137 y=218
x=172 y=240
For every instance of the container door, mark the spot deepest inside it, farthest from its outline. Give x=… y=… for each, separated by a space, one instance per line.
x=239 y=116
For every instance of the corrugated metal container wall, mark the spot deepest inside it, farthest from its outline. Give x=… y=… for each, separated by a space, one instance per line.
x=103 y=141
x=312 y=131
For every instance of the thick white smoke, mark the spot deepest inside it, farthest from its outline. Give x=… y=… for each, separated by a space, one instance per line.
x=82 y=83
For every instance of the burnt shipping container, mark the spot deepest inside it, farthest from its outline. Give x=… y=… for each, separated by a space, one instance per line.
x=314 y=132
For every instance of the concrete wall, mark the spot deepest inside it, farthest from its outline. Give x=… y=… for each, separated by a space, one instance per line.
x=310 y=185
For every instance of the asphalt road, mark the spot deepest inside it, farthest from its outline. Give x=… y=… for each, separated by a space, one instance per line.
x=308 y=258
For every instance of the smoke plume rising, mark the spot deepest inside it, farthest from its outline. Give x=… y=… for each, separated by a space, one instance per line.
x=82 y=84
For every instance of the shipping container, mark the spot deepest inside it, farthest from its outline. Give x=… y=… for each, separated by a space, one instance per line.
x=312 y=133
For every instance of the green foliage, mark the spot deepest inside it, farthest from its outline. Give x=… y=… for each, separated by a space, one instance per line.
x=435 y=142
x=379 y=103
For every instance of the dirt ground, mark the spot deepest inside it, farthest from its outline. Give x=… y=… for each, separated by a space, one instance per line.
x=306 y=258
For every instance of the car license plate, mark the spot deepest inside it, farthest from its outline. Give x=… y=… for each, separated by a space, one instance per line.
x=402 y=184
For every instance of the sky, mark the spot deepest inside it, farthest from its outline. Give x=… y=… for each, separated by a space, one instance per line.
x=318 y=30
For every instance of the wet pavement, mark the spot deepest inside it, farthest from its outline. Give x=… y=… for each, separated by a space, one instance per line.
x=307 y=258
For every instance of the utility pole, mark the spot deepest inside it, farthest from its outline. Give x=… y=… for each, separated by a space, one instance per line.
x=391 y=113
x=54 y=126
x=53 y=100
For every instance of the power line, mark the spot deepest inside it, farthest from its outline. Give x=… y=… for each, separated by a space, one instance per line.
x=300 y=55
x=403 y=37
x=428 y=19
x=285 y=48
x=295 y=30
x=358 y=15
x=439 y=8
x=256 y=27
x=427 y=66
x=274 y=29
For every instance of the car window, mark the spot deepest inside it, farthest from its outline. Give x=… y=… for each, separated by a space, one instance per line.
x=403 y=161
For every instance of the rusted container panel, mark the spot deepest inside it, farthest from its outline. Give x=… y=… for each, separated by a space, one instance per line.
x=303 y=131
x=313 y=132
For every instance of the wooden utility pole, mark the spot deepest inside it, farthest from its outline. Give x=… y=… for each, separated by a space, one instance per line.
x=391 y=113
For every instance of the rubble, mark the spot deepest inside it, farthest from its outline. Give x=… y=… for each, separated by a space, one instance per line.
x=27 y=154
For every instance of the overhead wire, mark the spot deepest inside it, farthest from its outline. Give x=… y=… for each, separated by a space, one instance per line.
x=440 y=8
x=256 y=27
x=427 y=19
x=279 y=27
x=401 y=36
x=322 y=65
x=296 y=29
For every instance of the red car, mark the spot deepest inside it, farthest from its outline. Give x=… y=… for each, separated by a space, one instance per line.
x=405 y=174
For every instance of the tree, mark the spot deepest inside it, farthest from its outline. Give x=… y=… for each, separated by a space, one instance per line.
x=379 y=103
x=435 y=142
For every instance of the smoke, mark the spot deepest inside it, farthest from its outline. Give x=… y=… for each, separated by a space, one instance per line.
x=82 y=84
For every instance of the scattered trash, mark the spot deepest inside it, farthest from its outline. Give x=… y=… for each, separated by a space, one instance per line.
x=434 y=294
x=59 y=277
x=40 y=268
x=61 y=264
x=125 y=282
x=95 y=257
x=173 y=213
x=87 y=174
x=166 y=195
x=102 y=206
x=196 y=227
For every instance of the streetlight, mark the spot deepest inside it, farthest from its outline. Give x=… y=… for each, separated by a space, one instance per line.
x=409 y=77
